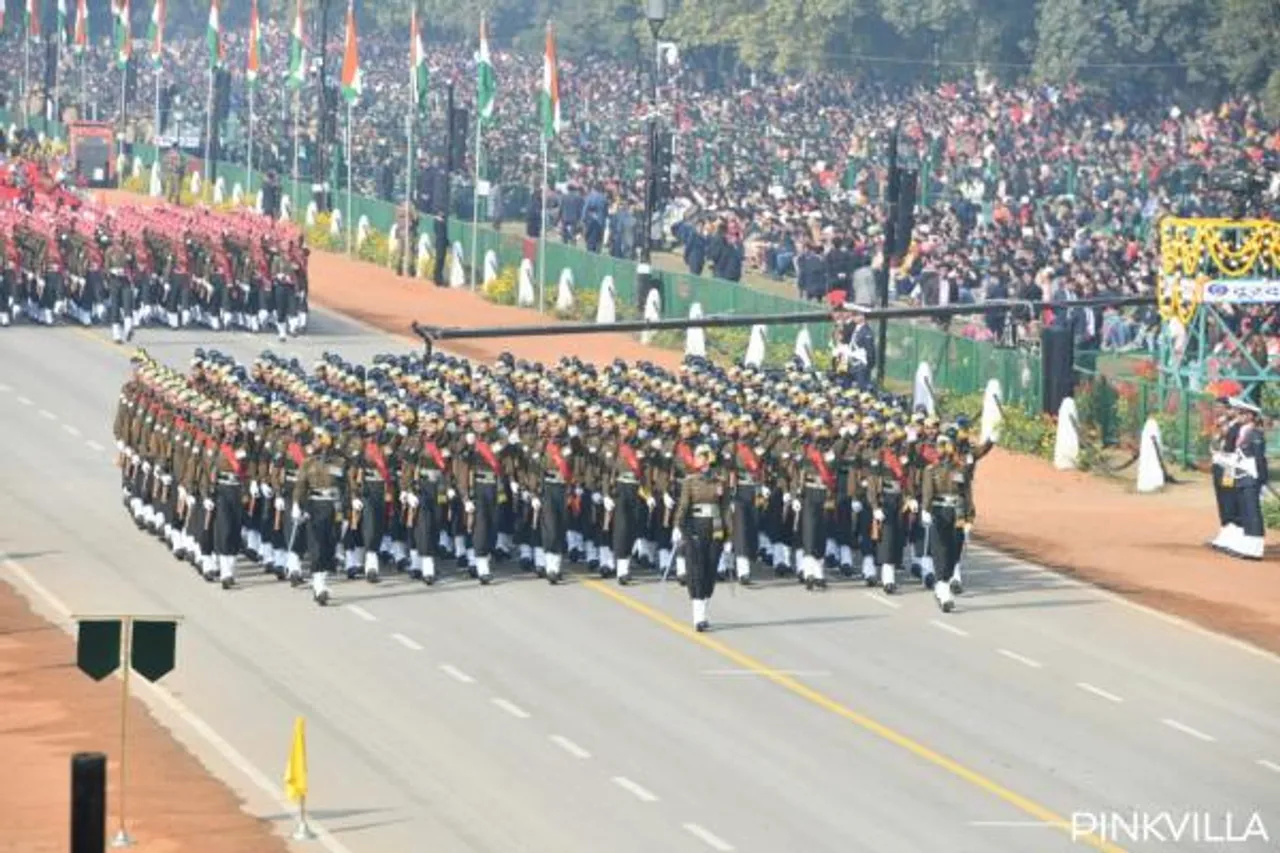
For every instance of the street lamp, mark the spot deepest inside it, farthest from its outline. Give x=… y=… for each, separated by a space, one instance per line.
x=655 y=12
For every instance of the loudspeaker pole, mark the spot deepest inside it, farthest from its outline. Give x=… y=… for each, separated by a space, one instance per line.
x=890 y=238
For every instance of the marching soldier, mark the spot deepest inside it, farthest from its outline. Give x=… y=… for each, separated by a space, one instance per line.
x=481 y=490
x=699 y=514
x=947 y=516
x=119 y=287
x=626 y=495
x=425 y=487
x=746 y=481
x=225 y=499
x=319 y=501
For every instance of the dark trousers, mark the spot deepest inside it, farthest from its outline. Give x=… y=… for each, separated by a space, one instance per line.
x=702 y=556
x=946 y=541
x=321 y=535
x=1228 y=504
x=1248 y=503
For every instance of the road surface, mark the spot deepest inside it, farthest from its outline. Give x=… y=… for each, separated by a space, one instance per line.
x=587 y=717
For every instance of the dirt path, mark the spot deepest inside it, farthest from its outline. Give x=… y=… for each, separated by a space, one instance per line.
x=49 y=710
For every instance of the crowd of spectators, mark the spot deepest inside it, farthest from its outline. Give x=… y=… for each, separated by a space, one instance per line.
x=1026 y=192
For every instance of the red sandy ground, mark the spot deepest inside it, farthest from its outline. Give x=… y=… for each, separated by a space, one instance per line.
x=1149 y=548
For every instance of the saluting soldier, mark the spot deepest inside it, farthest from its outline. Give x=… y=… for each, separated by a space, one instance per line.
x=1249 y=476
x=1223 y=447
x=699 y=514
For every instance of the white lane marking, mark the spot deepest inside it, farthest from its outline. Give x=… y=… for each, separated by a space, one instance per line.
x=708 y=838
x=1187 y=730
x=1025 y=661
x=569 y=746
x=1270 y=765
x=70 y=430
x=799 y=673
x=24 y=401
x=153 y=693
x=1117 y=598
x=407 y=642
x=511 y=708
x=457 y=674
x=881 y=599
x=362 y=613
x=639 y=791
x=1098 y=691
x=948 y=627
x=48 y=415
x=94 y=446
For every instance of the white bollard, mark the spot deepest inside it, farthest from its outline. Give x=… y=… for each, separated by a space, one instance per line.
x=335 y=224
x=695 y=337
x=424 y=249
x=652 y=313
x=457 y=275
x=196 y=184
x=991 y=414
x=607 y=308
x=525 y=295
x=362 y=231
x=219 y=190
x=137 y=166
x=754 y=356
x=1150 y=463
x=490 y=265
x=286 y=209
x=564 y=292
x=156 y=188
x=312 y=212
x=804 y=347
x=237 y=195
x=922 y=398
x=1066 y=449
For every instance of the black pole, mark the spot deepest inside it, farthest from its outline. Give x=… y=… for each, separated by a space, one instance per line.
x=321 y=177
x=88 y=802
x=716 y=321
x=890 y=239
x=442 y=221
x=643 y=270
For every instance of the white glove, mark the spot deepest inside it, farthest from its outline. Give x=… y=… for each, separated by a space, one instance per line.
x=926 y=518
x=536 y=504
x=651 y=502
x=913 y=505
x=497 y=447
x=451 y=494
x=830 y=457
x=795 y=506
x=267 y=491
x=296 y=513
x=786 y=497
x=514 y=439
x=765 y=492
x=120 y=446
x=656 y=444
x=577 y=491
x=668 y=501
x=191 y=500
x=608 y=504
x=597 y=498
x=279 y=504
x=208 y=505
x=146 y=467
x=470 y=507
x=856 y=506
x=878 y=515
x=166 y=479
x=182 y=494
x=255 y=490
x=357 y=504
x=566 y=452
x=411 y=499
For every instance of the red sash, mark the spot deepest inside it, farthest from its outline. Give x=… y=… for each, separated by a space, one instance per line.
x=558 y=460
x=230 y=455
x=686 y=457
x=628 y=454
x=894 y=466
x=930 y=454
x=295 y=453
x=820 y=464
x=373 y=453
x=487 y=452
x=749 y=459
x=434 y=452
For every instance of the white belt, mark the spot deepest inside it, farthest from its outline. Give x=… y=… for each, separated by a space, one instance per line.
x=324 y=494
x=704 y=511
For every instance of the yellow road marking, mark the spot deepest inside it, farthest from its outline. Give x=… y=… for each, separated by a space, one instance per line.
x=123 y=351
x=1027 y=806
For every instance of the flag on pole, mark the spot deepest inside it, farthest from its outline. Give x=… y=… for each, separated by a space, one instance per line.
x=352 y=84
x=81 y=41
x=33 y=19
x=486 y=82
x=217 y=52
x=295 y=772
x=418 y=74
x=297 y=51
x=62 y=21
x=255 y=46
x=155 y=32
x=549 y=97
x=123 y=36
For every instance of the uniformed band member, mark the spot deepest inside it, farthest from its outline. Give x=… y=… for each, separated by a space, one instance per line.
x=422 y=464
x=1239 y=476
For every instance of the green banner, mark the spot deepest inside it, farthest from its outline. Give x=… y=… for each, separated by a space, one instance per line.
x=98 y=648
x=153 y=648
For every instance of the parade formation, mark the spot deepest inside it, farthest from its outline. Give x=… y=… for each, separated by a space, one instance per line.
x=417 y=464
x=66 y=259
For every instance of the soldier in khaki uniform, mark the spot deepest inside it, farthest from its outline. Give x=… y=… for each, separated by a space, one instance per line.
x=947 y=515
x=700 y=516
x=319 y=500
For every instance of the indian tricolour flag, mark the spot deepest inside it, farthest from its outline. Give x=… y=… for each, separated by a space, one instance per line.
x=217 y=53
x=417 y=63
x=155 y=32
x=255 y=47
x=549 y=97
x=80 y=42
x=352 y=85
x=486 y=82
x=62 y=21
x=33 y=18
x=124 y=37
x=297 y=51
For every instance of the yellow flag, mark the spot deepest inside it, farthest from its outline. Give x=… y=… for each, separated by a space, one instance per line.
x=295 y=773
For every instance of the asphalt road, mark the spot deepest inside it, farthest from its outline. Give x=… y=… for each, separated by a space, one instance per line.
x=522 y=717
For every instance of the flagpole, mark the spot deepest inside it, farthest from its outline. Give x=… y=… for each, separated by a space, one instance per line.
x=293 y=191
x=26 y=74
x=350 y=189
x=156 y=135
x=542 y=234
x=208 y=128
x=249 y=165
x=57 y=72
x=407 y=253
x=475 y=205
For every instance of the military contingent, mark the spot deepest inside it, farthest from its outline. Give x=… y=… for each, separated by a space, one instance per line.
x=420 y=464
x=61 y=259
